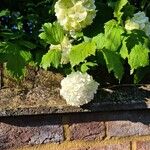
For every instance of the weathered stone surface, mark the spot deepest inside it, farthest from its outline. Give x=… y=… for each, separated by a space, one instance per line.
x=143 y=145
x=12 y=136
x=87 y=131
x=126 y=128
x=30 y=131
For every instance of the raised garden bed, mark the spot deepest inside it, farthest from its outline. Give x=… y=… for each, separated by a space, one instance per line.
x=55 y=55
x=38 y=93
x=33 y=115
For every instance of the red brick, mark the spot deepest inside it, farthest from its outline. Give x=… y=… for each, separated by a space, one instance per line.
x=124 y=146
x=143 y=145
x=16 y=136
x=126 y=128
x=87 y=131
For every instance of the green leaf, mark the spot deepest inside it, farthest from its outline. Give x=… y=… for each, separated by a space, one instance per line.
x=3 y=57
x=124 y=50
x=138 y=57
x=80 y=52
x=141 y=73
x=51 y=58
x=119 y=6
x=53 y=33
x=86 y=66
x=9 y=48
x=26 y=44
x=112 y=38
x=109 y=26
x=7 y=35
x=99 y=41
x=15 y=57
x=4 y=13
x=16 y=63
x=26 y=55
x=136 y=37
x=113 y=62
x=113 y=34
x=129 y=11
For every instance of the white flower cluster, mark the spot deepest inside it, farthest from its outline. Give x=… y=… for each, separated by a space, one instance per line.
x=139 y=21
x=75 y=14
x=65 y=48
x=78 y=89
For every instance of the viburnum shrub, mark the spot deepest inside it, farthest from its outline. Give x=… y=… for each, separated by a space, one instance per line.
x=84 y=40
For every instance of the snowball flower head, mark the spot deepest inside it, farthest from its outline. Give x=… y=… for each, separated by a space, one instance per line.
x=75 y=14
x=138 y=21
x=141 y=19
x=78 y=88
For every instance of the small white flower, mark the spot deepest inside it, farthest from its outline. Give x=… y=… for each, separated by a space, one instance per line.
x=147 y=29
x=141 y=19
x=75 y=14
x=78 y=89
x=138 y=21
x=130 y=25
x=65 y=48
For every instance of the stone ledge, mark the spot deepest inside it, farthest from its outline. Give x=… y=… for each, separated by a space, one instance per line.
x=38 y=93
x=123 y=98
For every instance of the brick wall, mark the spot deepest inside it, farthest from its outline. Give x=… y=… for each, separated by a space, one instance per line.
x=120 y=130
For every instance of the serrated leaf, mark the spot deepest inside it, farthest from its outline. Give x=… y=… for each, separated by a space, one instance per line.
x=128 y=11
x=112 y=38
x=124 y=50
x=53 y=33
x=15 y=58
x=99 y=41
x=86 y=66
x=138 y=57
x=119 y=6
x=109 y=26
x=80 y=52
x=113 y=35
x=51 y=58
x=4 y=13
x=16 y=63
x=136 y=37
x=113 y=62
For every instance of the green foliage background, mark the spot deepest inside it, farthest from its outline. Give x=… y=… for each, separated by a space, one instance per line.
x=20 y=44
